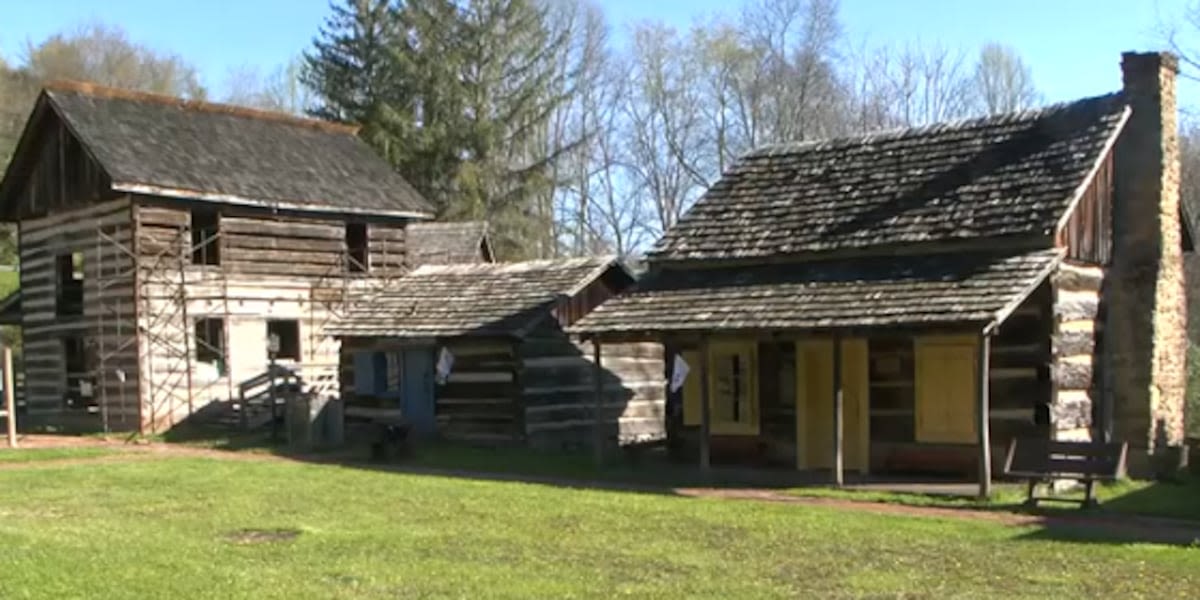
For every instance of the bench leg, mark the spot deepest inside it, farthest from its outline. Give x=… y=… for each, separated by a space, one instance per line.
x=1030 y=500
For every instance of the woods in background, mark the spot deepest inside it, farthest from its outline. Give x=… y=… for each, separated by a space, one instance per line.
x=567 y=135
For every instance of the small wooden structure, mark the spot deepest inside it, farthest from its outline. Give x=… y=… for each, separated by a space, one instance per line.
x=162 y=241
x=910 y=301
x=516 y=377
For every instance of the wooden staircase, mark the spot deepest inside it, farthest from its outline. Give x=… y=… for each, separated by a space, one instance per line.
x=264 y=397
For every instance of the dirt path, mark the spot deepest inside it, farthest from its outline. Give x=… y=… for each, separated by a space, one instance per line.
x=1133 y=528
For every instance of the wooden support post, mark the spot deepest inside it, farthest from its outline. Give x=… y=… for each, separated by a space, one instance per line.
x=10 y=398
x=598 y=407
x=705 y=409
x=982 y=424
x=838 y=415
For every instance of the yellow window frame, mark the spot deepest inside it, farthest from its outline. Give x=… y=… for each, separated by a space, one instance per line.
x=747 y=352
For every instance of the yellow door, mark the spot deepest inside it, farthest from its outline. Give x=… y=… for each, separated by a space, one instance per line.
x=814 y=409
x=945 y=388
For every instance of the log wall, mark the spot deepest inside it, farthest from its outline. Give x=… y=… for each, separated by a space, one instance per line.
x=478 y=403
x=272 y=267
x=1078 y=325
x=105 y=328
x=557 y=379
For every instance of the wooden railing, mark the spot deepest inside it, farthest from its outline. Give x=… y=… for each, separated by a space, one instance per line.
x=262 y=397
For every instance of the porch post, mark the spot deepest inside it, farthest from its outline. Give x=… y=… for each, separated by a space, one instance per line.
x=598 y=406
x=982 y=424
x=705 y=417
x=838 y=416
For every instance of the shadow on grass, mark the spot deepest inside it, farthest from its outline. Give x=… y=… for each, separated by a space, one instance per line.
x=1126 y=515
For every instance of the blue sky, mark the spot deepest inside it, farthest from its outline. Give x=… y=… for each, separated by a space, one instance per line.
x=1074 y=46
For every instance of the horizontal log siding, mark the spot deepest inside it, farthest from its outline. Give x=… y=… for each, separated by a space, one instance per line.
x=272 y=267
x=558 y=392
x=106 y=326
x=478 y=401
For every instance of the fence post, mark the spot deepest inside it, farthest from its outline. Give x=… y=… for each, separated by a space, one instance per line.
x=10 y=396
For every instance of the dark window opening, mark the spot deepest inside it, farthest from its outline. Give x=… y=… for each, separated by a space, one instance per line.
x=70 y=284
x=210 y=343
x=79 y=391
x=205 y=247
x=356 y=248
x=287 y=335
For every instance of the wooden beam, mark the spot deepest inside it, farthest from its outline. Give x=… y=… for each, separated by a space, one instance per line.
x=838 y=415
x=598 y=407
x=10 y=404
x=982 y=424
x=705 y=409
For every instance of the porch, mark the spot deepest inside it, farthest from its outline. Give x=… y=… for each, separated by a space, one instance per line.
x=865 y=410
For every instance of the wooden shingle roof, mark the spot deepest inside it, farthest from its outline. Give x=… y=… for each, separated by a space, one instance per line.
x=444 y=243
x=1004 y=176
x=929 y=290
x=495 y=299
x=195 y=150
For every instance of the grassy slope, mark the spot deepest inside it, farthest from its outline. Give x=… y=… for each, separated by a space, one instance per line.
x=156 y=529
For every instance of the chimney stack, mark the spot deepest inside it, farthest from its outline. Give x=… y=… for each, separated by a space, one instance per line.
x=1146 y=326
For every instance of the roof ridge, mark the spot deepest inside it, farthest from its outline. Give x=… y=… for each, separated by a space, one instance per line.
x=100 y=91
x=939 y=127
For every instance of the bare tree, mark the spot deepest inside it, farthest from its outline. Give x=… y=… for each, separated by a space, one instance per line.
x=280 y=90
x=1003 y=82
x=104 y=54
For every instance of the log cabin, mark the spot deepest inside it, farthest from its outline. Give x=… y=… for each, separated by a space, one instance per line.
x=910 y=301
x=162 y=242
x=516 y=377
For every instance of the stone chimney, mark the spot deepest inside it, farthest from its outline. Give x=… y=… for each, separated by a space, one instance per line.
x=1145 y=332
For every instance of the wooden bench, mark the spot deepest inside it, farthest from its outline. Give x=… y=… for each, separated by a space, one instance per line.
x=1042 y=461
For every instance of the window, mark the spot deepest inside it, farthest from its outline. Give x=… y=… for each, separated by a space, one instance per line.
x=205 y=247
x=210 y=343
x=69 y=301
x=733 y=402
x=288 y=334
x=732 y=391
x=357 y=259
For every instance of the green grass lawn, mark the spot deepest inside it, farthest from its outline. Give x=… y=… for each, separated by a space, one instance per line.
x=175 y=528
x=21 y=455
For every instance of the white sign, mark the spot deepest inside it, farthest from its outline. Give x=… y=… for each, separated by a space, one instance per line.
x=444 y=364
x=85 y=388
x=679 y=372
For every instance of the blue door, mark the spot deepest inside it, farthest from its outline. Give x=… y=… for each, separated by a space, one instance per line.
x=417 y=401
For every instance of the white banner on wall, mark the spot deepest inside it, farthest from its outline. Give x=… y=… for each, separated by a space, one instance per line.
x=444 y=364
x=679 y=372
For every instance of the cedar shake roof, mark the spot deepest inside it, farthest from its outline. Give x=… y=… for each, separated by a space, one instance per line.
x=500 y=299
x=929 y=290
x=443 y=243
x=1012 y=175
x=165 y=146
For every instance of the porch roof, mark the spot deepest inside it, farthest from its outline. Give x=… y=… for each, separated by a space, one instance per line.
x=894 y=291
